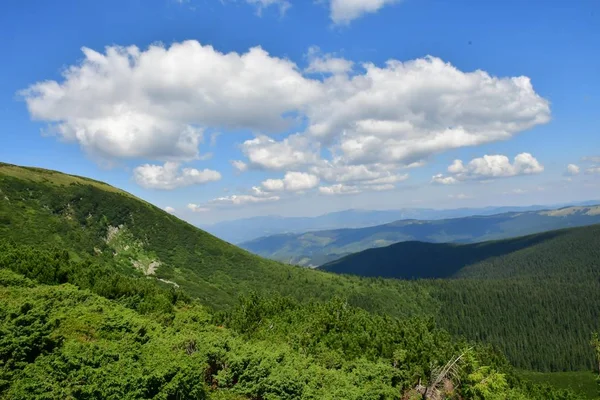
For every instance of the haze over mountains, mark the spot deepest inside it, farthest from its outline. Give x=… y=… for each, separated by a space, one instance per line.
x=319 y=247
x=241 y=230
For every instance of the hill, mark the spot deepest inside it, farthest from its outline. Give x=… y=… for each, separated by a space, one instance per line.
x=320 y=247
x=526 y=290
x=247 y=229
x=98 y=222
x=143 y=249
x=569 y=254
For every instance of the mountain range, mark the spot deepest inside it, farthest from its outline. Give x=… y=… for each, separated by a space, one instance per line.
x=246 y=229
x=319 y=247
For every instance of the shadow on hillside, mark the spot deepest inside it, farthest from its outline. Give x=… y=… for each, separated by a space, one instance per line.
x=416 y=260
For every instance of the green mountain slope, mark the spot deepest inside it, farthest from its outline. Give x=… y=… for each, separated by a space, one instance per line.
x=142 y=248
x=62 y=342
x=320 y=247
x=98 y=222
x=520 y=294
x=569 y=254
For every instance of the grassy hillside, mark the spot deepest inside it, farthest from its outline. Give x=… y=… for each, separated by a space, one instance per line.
x=320 y=247
x=95 y=224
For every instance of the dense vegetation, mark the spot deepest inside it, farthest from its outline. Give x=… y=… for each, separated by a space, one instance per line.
x=63 y=341
x=319 y=247
x=571 y=254
x=151 y=262
x=535 y=297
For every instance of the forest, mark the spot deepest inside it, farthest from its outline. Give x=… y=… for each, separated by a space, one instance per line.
x=79 y=261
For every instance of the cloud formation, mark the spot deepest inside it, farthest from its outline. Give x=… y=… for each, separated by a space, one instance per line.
x=169 y=209
x=490 y=167
x=197 y=208
x=358 y=126
x=292 y=182
x=344 y=11
x=129 y=103
x=573 y=169
x=170 y=176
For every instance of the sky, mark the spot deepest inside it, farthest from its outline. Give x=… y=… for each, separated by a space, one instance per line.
x=223 y=109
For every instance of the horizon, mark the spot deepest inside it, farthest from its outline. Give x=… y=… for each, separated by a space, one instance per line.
x=307 y=109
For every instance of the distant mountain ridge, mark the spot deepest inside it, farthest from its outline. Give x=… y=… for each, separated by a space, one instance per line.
x=246 y=229
x=320 y=247
x=539 y=256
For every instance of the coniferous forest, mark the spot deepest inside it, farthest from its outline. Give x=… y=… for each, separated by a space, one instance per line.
x=106 y=296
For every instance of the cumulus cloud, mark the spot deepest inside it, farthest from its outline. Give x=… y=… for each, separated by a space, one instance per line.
x=350 y=128
x=169 y=209
x=292 y=182
x=260 y=5
x=573 y=169
x=127 y=103
x=171 y=176
x=266 y=153
x=339 y=189
x=444 y=180
x=326 y=63
x=197 y=208
x=490 y=167
x=344 y=11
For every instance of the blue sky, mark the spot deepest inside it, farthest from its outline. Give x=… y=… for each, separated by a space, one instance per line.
x=221 y=109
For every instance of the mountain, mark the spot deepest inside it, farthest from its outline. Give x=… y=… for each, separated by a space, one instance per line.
x=246 y=229
x=58 y=229
x=569 y=254
x=95 y=221
x=105 y=296
x=316 y=248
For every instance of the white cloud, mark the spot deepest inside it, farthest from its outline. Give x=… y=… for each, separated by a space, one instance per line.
x=171 y=176
x=364 y=126
x=129 y=103
x=239 y=165
x=344 y=11
x=573 y=169
x=405 y=112
x=260 y=5
x=326 y=63
x=242 y=199
x=264 y=152
x=169 y=209
x=490 y=167
x=339 y=189
x=444 y=180
x=197 y=208
x=292 y=182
